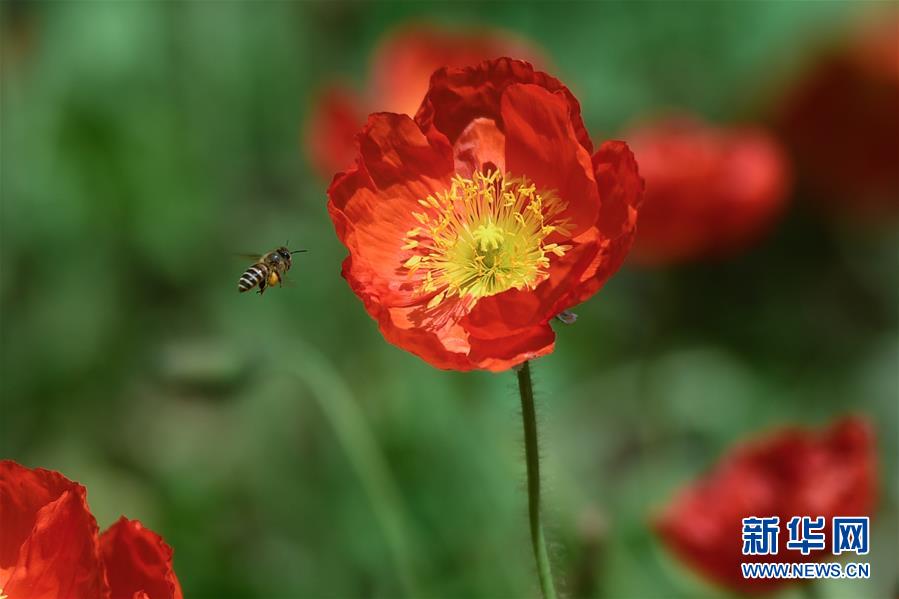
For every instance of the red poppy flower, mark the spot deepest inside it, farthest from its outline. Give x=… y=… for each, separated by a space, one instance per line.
x=709 y=191
x=840 y=121
x=791 y=473
x=50 y=547
x=470 y=227
x=400 y=69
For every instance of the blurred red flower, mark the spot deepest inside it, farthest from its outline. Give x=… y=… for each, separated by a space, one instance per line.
x=50 y=547
x=710 y=191
x=470 y=227
x=841 y=122
x=793 y=472
x=400 y=70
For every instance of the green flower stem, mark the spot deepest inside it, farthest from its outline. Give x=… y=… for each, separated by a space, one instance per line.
x=532 y=456
x=356 y=438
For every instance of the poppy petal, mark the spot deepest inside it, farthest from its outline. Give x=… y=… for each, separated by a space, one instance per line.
x=446 y=347
x=502 y=354
x=373 y=204
x=396 y=153
x=481 y=147
x=457 y=96
x=60 y=556
x=620 y=188
x=621 y=193
x=23 y=492
x=541 y=143
x=138 y=562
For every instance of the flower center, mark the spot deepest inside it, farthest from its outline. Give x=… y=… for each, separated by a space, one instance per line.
x=482 y=236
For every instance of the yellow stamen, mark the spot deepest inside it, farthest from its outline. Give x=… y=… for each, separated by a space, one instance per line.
x=483 y=236
x=434 y=302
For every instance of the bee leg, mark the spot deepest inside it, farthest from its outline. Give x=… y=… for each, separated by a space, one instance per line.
x=261 y=287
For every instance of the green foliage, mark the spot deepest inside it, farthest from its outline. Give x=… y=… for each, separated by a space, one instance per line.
x=145 y=143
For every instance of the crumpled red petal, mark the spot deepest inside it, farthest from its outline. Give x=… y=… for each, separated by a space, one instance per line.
x=541 y=143
x=372 y=203
x=138 y=562
x=50 y=547
x=504 y=353
x=621 y=195
x=23 y=492
x=429 y=345
x=457 y=96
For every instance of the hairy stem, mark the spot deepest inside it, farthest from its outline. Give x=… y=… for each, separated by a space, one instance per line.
x=532 y=456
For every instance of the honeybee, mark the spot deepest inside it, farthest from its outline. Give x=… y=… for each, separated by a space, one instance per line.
x=268 y=270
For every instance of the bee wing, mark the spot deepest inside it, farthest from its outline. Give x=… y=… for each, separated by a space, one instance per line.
x=251 y=257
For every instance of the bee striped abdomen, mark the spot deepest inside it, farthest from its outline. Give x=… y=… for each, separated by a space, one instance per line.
x=252 y=277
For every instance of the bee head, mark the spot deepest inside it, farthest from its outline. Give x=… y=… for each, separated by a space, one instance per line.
x=283 y=252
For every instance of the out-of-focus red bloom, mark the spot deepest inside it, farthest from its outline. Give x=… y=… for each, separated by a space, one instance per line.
x=841 y=122
x=794 y=472
x=50 y=547
x=710 y=191
x=474 y=224
x=401 y=67
x=330 y=139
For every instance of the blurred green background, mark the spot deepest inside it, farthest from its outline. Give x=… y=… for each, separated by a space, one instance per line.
x=280 y=445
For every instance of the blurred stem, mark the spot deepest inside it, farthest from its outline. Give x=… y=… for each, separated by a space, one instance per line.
x=532 y=456
x=353 y=434
x=811 y=590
